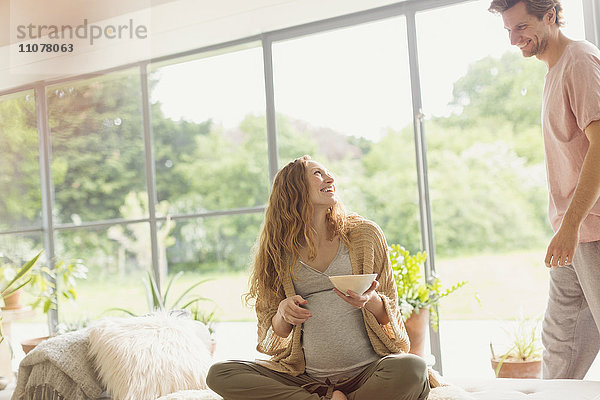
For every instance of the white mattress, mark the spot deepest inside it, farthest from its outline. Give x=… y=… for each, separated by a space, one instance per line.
x=530 y=389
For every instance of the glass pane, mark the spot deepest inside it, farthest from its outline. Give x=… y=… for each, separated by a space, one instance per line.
x=573 y=15
x=17 y=249
x=217 y=248
x=20 y=202
x=208 y=121
x=344 y=98
x=117 y=259
x=487 y=178
x=97 y=148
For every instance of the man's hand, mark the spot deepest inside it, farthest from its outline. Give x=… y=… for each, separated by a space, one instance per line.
x=562 y=246
x=561 y=249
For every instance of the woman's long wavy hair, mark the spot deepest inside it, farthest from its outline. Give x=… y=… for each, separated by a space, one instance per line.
x=286 y=229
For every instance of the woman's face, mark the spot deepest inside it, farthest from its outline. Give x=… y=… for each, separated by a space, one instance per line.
x=321 y=185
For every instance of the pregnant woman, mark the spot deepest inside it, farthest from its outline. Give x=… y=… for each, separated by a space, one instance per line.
x=324 y=344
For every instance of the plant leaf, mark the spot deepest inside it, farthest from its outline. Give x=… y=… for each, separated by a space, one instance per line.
x=187 y=291
x=157 y=301
x=22 y=272
x=173 y=279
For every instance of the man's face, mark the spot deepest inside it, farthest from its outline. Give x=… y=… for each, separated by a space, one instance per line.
x=526 y=31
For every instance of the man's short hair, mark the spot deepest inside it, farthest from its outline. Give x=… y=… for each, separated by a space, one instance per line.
x=538 y=8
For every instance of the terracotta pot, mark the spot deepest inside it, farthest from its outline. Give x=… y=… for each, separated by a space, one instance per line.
x=416 y=326
x=30 y=344
x=518 y=369
x=12 y=301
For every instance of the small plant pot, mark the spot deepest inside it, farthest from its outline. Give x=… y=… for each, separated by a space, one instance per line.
x=12 y=301
x=518 y=369
x=30 y=344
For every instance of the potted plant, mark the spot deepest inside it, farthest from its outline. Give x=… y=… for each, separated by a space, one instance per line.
x=208 y=319
x=523 y=359
x=156 y=302
x=12 y=281
x=47 y=285
x=415 y=296
x=22 y=277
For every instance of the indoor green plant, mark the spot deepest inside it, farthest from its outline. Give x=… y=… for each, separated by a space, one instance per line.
x=415 y=296
x=158 y=302
x=13 y=279
x=523 y=359
x=21 y=278
x=47 y=285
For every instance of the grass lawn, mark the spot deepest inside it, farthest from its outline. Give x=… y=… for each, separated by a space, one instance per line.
x=498 y=285
x=503 y=283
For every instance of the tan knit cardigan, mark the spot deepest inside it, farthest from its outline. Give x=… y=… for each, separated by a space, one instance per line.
x=368 y=254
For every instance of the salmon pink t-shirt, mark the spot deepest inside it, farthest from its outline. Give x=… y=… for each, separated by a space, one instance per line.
x=571 y=101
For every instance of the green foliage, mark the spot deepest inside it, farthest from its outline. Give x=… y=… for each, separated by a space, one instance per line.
x=15 y=279
x=509 y=89
x=21 y=278
x=47 y=284
x=485 y=166
x=158 y=302
x=97 y=145
x=413 y=292
x=19 y=162
x=206 y=317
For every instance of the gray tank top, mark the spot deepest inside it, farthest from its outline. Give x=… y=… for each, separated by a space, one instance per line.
x=334 y=339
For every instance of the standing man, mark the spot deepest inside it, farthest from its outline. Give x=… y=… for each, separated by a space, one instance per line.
x=571 y=129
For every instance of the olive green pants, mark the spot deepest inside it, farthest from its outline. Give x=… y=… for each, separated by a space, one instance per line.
x=395 y=377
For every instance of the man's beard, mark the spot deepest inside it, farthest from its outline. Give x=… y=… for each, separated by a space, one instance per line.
x=538 y=47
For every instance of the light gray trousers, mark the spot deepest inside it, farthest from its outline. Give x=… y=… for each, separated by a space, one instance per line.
x=394 y=377
x=570 y=328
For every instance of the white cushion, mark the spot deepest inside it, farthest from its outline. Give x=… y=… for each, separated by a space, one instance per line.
x=151 y=356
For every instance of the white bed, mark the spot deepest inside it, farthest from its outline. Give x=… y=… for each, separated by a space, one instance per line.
x=530 y=389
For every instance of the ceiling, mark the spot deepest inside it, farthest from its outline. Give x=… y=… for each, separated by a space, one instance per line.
x=164 y=27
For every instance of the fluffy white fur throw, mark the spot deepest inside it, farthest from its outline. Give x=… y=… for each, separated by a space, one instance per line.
x=151 y=356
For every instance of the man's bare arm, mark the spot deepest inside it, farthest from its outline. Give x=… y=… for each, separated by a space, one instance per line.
x=562 y=246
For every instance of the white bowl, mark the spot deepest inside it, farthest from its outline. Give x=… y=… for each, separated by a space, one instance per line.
x=357 y=283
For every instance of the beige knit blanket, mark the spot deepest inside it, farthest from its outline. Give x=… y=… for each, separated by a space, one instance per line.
x=58 y=369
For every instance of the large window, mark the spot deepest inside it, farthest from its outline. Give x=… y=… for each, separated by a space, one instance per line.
x=20 y=188
x=20 y=199
x=185 y=189
x=344 y=98
x=210 y=140
x=118 y=258
x=98 y=174
x=487 y=177
x=97 y=147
